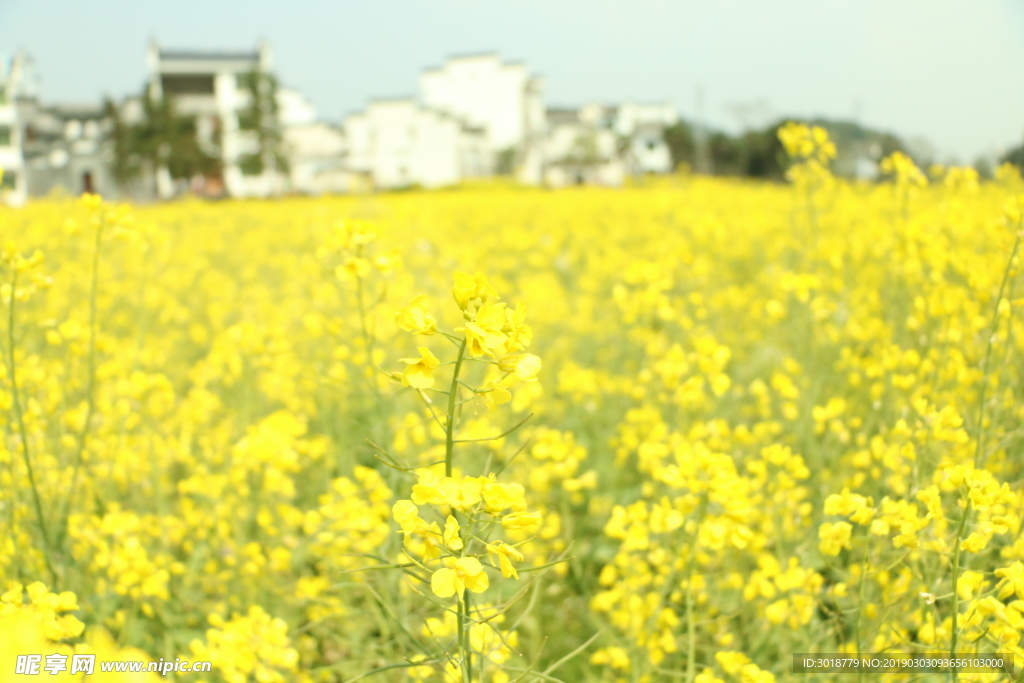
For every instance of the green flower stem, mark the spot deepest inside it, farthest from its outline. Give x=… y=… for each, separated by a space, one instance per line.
x=465 y=661
x=449 y=432
x=979 y=459
x=20 y=416
x=861 y=583
x=956 y=577
x=691 y=631
x=90 y=387
x=465 y=665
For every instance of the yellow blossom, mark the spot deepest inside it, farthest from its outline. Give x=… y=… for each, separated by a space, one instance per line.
x=420 y=373
x=466 y=572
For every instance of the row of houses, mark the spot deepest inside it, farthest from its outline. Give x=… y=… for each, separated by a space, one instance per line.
x=475 y=116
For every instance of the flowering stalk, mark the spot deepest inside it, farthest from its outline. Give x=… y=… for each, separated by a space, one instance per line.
x=465 y=654
x=23 y=433
x=691 y=627
x=979 y=459
x=449 y=430
x=861 y=584
x=90 y=384
x=351 y=241
x=463 y=552
x=956 y=577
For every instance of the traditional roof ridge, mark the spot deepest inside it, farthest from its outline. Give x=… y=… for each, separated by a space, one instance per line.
x=209 y=55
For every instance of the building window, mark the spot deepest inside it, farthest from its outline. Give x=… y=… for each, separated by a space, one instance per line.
x=187 y=84
x=5 y=136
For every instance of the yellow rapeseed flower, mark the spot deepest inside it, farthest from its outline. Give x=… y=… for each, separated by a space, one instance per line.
x=415 y=318
x=420 y=373
x=466 y=572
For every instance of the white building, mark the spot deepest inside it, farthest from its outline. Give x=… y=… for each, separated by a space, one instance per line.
x=501 y=98
x=399 y=143
x=293 y=109
x=474 y=114
x=316 y=159
x=16 y=85
x=49 y=148
x=630 y=117
x=315 y=150
x=66 y=150
x=581 y=149
x=644 y=125
x=210 y=86
x=601 y=144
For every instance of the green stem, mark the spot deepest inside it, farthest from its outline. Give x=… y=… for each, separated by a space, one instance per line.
x=979 y=461
x=449 y=432
x=669 y=585
x=465 y=663
x=860 y=605
x=20 y=416
x=691 y=626
x=367 y=339
x=90 y=384
x=956 y=578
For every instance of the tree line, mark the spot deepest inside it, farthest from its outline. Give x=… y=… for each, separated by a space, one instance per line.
x=759 y=154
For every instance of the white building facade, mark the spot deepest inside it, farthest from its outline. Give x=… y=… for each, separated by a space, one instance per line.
x=473 y=114
x=316 y=159
x=16 y=84
x=579 y=149
x=502 y=98
x=398 y=143
x=603 y=145
x=209 y=86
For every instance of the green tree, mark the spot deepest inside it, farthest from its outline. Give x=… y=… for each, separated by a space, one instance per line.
x=128 y=162
x=762 y=155
x=681 y=143
x=262 y=118
x=1015 y=156
x=505 y=162
x=163 y=138
x=726 y=153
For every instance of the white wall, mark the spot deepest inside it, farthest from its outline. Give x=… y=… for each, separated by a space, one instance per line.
x=484 y=91
x=15 y=80
x=294 y=109
x=632 y=116
x=649 y=151
x=315 y=158
x=398 y=143
x=358 y=132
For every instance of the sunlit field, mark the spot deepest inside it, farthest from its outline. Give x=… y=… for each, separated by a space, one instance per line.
x=677 y=431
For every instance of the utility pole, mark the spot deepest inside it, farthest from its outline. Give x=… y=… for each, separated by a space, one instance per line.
x=703 y=160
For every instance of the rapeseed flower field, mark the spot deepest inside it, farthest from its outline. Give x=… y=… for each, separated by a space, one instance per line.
x=677 y=431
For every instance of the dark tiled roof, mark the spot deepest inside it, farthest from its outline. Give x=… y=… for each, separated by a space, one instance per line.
x=209 y=55
x=76 y=111
x=396 y=99
x=562 y=115
x=472 y=55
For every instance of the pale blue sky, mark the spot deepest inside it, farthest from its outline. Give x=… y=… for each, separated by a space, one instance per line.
x=951 y=71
